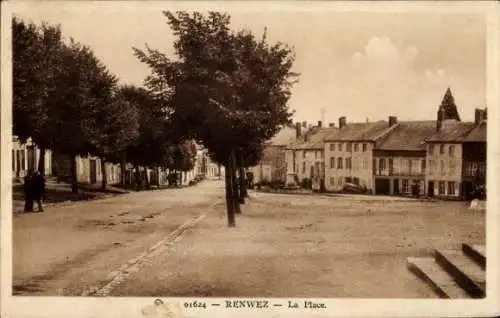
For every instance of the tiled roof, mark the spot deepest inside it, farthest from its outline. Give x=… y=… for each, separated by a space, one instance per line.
x=478 y=134
x=315 y=138
x=409 y=135
x=361 y=131
x=452 y=131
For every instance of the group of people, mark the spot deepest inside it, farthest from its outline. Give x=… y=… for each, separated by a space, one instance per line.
x=34 y=190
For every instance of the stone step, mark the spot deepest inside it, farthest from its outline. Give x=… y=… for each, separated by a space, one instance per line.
x=464 y=271
x=477 y=253
x=433 y=275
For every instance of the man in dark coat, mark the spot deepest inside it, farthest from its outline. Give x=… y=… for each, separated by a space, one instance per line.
x=38 y=189
x=28 y=193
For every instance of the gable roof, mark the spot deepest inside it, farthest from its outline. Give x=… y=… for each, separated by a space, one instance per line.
x=478 y=133
x=452 y=131
x=315 y=138
x=361 y=131
x=409 y=136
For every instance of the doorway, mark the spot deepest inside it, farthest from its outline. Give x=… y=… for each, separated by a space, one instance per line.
x=430 y=189
x=395 y=186
x=93 y=171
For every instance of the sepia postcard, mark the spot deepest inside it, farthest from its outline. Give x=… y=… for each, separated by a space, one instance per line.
x=250 y=159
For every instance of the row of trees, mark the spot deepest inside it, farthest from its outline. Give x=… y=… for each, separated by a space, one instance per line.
x=65 y=99
x=226 y=89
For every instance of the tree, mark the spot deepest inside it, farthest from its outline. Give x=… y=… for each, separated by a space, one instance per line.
x=82 y=90
x=36 y=63
x=119 y=122
x=227 y=89
x=448 y=106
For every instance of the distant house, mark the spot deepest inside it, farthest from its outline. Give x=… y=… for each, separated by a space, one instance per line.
x=400 y=159
x=349 y=154
x=26 y=156
x=456 y=157
x=272 y=166
x=305 y=157
x=88 y=169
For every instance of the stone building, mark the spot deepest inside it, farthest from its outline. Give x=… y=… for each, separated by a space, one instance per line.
x=26 y=156
x=400 y=159
x=349 y=154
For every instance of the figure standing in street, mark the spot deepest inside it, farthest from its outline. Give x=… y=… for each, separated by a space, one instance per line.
x=28 y=192
x=38 y=189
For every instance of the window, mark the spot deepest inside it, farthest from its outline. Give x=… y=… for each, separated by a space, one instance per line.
x=381 y=164
x=348 y=179
x=332 y=162
x=365 y=164
x=422 y=167
x=340 y=147
x=442 y=167
x=441 y=149
x=451 y=188
x=348 y=163
x=431 y=149
x=356 y=147
x=441 y=188
x=451 y=150
x=332 y=181
x=303 y=154
x=406 y=187
x=339 y=163
x=339 y=181
x=303 y=167
x=348 y=147
x=332 y=147
x=364 y=147
x=13 y=160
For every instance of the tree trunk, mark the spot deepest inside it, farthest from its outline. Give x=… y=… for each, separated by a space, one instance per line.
x=74 y=177
x=123 y=170
x=231 y=222
x=243 y=182
x=234 y=182
x=104 y=174
x=41 y=161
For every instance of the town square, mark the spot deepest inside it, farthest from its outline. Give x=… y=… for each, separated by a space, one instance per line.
x=227 y=154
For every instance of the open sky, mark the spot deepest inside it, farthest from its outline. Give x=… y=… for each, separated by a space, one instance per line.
x=358 y=64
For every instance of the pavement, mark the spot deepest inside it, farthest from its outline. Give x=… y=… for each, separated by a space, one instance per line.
x=176 y=243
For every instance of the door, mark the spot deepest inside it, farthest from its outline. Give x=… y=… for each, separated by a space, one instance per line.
x=430 y=188
x=93 y=171
x=382 y=186
x=31 y=157
x=395 y=184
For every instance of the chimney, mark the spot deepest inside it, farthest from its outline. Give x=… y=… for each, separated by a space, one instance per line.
x=440 y=117
x=304 y=124
x=331 y=125
x=478 y=116
x=393 y=120
x=320 y=123
x=298 y=130
x=341 y=122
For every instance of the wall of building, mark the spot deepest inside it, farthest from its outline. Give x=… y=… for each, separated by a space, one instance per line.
x=343 y=162
x=21 y=162
x=444 y=168
x=406 y=170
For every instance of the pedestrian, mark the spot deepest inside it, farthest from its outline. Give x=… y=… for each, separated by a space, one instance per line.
x=28 y=192
x=38 y=189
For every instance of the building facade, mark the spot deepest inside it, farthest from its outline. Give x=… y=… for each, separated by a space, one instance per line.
x=26 y=156
x=349 y=154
